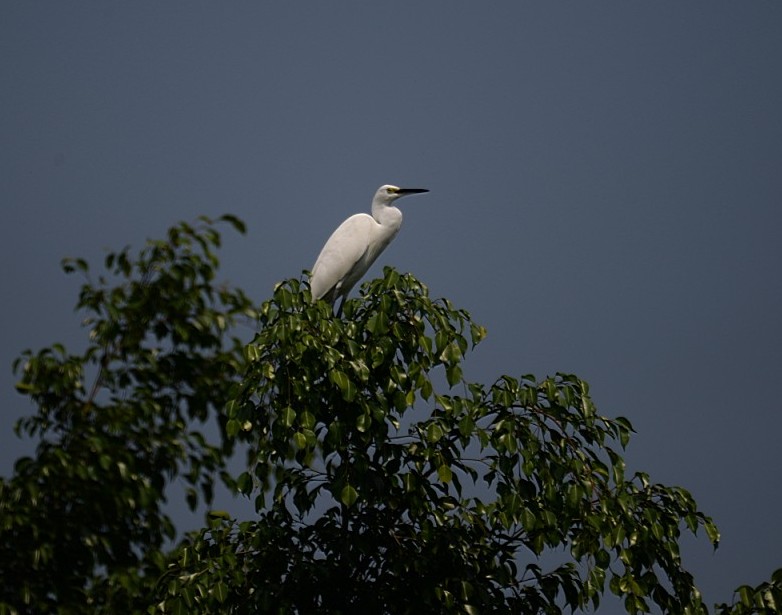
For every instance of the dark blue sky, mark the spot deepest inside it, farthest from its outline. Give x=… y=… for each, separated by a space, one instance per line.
x=605 y=192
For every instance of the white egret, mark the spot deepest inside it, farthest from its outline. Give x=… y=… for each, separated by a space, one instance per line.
x=355 y=245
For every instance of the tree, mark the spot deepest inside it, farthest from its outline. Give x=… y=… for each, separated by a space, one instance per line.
x=82 y=522
x=387 y=495
x=764 y=599
x=383 y=481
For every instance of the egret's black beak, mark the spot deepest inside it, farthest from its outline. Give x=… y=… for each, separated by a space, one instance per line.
x=406 y=191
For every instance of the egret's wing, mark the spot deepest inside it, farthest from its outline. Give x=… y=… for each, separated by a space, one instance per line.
x=340 y=255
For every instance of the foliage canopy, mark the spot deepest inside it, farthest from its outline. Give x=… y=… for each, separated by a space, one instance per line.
x=383 y=480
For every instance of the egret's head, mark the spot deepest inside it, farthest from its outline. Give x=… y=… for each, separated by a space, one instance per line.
x=388 y=194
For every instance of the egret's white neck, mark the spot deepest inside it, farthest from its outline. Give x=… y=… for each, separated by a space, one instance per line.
x=387 y=215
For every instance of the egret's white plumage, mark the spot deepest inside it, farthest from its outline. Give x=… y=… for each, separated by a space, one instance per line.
x=355 y=245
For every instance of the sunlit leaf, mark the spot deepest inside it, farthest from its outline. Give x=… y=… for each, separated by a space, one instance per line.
x=434 y=432
x=348 y=496
x=288 y=416
x=444 y=473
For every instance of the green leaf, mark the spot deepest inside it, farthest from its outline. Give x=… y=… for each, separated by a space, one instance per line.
x=238 y=224
x=746 y=595
x=477 y=333
x=220 y=591
x=444 y=473
x=345 y=385
x=466 y=426
x=440 y=340
x=288 y=417
x=451 y=354
x=363 y=422
x=232 y=427
x=434 y=432
x=178 y=607
x=528 y=519
x=426 y=390
x=348 y=496
x=244 y=484
x=307 y=420
x=453 y=374
x=252 y=352
x=378 y=323
x=713 y=533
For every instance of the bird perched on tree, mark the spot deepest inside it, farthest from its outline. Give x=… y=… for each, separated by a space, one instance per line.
x=355 y=245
